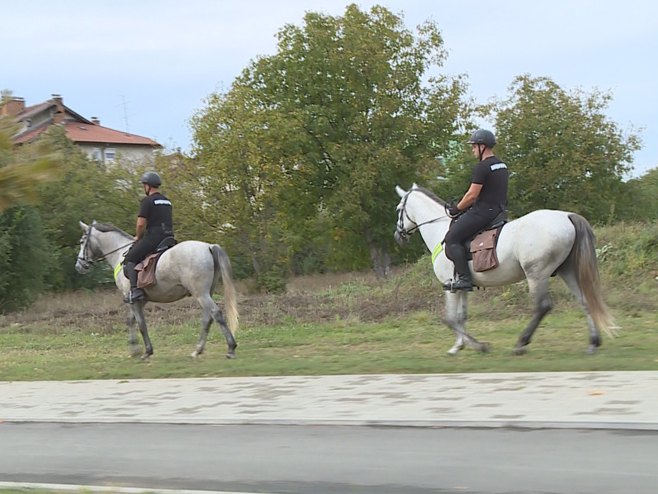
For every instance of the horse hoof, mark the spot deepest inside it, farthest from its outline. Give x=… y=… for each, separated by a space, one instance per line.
x=591 y=350
x=455 y=350
x=485 y=347
x=520 y=350
x=230 y=355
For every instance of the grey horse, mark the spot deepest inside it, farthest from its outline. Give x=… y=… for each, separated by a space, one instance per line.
x=535 y=247
x=190 y=268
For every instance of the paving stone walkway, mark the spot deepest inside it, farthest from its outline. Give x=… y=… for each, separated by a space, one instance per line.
x=620 y=400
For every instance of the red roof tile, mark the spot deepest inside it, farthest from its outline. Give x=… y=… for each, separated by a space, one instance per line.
x=81 y=132
x=78 y=128
x=30 y=135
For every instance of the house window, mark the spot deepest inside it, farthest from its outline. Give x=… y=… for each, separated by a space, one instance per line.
x=110 y=155
x=96 y=154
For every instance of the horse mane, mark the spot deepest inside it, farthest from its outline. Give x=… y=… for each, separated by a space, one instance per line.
x=431 y=195
x=109 y=227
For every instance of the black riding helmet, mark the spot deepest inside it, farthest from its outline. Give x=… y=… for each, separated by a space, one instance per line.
x=483 y=136
x=152 y=179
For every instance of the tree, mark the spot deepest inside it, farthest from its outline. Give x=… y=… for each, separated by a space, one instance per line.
x=326 y=127
x=24 y=258
x=639 y=201
x=563 y=152
x=22 y=169
x=84 y=190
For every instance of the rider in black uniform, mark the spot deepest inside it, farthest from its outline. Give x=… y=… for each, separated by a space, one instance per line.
x=154 y=224
x=485 y=198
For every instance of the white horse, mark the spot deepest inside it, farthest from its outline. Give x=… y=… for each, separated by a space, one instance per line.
x=190 y=268
x=535 y=247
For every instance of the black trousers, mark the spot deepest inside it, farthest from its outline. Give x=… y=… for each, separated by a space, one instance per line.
x=140 y=249
x=143 y=247
x=462 y=229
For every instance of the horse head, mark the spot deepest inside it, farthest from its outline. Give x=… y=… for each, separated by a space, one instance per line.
x=405 y=225
x=85 y=255
x=100 y=241
x=413 y=215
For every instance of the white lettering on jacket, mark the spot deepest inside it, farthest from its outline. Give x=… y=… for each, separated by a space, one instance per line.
x=497 y=166
x=162 y=202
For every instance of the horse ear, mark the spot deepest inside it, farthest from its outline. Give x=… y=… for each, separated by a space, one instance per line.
x=414 y=185
x=401 y=192
x=83 y=226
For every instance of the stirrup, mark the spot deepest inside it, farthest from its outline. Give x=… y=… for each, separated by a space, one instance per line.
x=460 y=284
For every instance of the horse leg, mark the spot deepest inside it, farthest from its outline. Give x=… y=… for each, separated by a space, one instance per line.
x=138 y=312
x=132 y=335
x=570 y=279
x=210 y=307
x=455 y=319
x=543 y=304
x=206 y=320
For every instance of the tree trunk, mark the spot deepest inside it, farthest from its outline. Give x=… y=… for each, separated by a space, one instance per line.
x=381 y=259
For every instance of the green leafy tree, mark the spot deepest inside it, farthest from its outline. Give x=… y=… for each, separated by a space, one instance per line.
x=84 y=190
x=322 y=131
x=237 y=177
x=22 y=169
x=563 y=152
x=24 y=258
x=639 y=201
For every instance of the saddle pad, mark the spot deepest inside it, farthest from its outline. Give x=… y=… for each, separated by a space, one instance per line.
x=483 y=248
x=146 y=270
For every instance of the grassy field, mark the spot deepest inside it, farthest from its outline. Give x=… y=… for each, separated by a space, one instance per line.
x=336 y=324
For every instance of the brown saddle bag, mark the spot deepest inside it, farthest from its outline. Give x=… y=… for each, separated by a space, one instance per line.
x=483 y=250
x=146 y=270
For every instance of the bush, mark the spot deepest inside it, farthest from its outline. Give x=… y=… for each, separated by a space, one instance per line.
x=24 y=258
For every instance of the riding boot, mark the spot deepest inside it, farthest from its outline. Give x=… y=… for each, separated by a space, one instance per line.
x=463 y=280
x=136 y=294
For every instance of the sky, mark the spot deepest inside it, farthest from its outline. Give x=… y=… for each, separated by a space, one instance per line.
x=147 y=66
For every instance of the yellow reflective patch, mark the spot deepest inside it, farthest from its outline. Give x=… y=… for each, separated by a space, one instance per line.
x=437 y=250
x=117 y=270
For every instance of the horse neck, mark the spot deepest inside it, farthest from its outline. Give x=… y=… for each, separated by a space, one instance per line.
x=425 y=210
x=113 y=246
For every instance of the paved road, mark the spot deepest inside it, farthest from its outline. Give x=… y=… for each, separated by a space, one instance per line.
x=609 y=419
x=331 y=459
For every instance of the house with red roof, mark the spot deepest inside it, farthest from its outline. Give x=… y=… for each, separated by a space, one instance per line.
x=100 y=143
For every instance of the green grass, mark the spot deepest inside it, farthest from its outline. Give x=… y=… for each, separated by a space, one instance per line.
x=413 y=344
x=347 y=324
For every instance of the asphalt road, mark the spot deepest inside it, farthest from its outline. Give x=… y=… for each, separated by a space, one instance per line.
x=331 y=459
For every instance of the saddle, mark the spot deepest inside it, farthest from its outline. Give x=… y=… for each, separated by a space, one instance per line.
x=146 y=269
x=481 y=249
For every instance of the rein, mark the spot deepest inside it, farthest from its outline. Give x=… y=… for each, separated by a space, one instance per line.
x=111 y=252
x=400 y=227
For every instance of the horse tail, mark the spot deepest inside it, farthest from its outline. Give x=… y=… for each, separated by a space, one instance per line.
x=223 y=264
x=583 y=254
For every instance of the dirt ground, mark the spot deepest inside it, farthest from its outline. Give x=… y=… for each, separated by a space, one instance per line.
x=315 y=298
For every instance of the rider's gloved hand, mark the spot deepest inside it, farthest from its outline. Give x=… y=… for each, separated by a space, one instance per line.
x=453 y=211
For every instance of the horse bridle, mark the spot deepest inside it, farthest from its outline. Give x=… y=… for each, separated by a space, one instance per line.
x=401 y=231
x=87 y=261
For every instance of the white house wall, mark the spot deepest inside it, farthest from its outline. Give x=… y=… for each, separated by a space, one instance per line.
x=124 y=154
